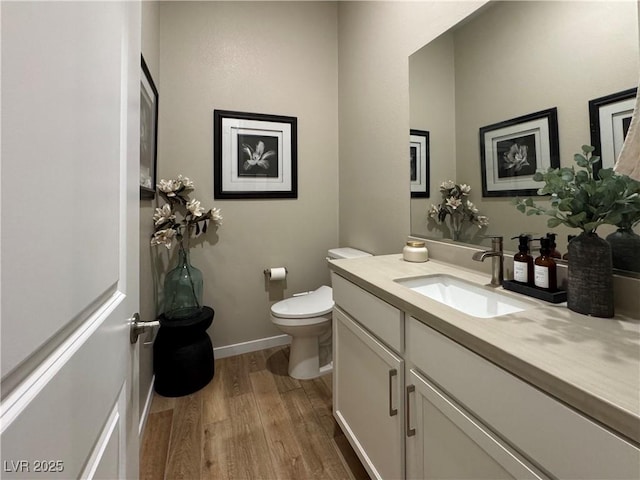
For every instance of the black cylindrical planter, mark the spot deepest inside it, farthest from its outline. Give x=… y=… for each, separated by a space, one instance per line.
x=183 y=360
x=590 y=282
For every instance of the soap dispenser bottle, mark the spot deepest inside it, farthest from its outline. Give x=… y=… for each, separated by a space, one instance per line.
x=569 y=238
x=553 y=252
x=522 y=261
x=545 y=268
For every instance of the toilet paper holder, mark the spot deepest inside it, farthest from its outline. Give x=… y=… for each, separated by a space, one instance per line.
x=268 y=272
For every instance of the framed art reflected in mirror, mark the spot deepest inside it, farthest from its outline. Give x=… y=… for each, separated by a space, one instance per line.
x=513 y=150
x=609 y=118
x=419 y=163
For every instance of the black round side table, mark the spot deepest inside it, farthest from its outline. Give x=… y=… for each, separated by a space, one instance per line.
x=183 y=360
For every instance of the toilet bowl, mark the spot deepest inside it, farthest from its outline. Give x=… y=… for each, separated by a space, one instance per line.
x=306 y=318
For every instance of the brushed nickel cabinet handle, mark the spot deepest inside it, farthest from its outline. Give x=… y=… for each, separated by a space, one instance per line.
x=392 y=411
x=410 y=431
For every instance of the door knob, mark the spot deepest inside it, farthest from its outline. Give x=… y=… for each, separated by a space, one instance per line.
x=138 y=327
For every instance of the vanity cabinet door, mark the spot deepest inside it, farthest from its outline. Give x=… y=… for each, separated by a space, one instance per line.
x=445 y=442
x=367 y=397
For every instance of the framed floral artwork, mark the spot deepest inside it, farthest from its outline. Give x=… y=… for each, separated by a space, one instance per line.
x=148 y=133
x=513 y=150
x=254 y=155
x=609 y=119
x=419 y=163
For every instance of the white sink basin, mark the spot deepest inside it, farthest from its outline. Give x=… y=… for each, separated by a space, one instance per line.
x=464 y=296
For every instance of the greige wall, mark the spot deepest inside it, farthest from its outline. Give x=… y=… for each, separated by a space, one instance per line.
x=376 y=39
x=261 y=57
x=148 y=312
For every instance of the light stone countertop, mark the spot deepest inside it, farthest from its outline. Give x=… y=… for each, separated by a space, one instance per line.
x=589 y=363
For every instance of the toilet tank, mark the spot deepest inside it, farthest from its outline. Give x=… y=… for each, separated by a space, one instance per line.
x=346 y=252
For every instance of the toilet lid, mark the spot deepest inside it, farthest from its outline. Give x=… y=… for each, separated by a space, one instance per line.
x=313 y=304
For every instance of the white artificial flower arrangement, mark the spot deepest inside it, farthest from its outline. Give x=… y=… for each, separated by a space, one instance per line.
x=167 y=227
x=457 y=207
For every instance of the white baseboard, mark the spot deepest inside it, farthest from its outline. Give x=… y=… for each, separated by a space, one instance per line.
x=328 y=368
x=251 y=346
x=147 y=407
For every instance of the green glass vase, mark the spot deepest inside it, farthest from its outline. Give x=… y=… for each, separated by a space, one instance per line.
x=183 y=289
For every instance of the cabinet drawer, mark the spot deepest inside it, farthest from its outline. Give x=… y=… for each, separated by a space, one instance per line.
x=558 y=439
x=379 y=317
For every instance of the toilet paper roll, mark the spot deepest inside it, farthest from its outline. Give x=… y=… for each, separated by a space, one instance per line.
x=277 y=273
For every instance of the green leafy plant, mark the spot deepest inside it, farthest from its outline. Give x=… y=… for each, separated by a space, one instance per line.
x=580 y=199
x=631 y=217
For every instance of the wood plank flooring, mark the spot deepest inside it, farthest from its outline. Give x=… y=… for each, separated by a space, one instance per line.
x=252 y=421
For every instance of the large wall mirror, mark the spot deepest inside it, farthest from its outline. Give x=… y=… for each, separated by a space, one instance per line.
x=509 y=60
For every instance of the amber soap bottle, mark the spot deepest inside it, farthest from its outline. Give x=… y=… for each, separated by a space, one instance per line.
x=553 y=251
x=523 y=261
x=569 y=238
x=545 y=268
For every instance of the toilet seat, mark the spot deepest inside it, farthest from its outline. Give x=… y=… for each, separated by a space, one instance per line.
x=314 y=304
x=306 y=318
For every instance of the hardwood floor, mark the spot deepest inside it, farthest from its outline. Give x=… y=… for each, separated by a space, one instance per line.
x=252 y=421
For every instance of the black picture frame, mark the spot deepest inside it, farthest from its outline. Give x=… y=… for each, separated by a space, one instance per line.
x=419 y=163
x=255 y=155
x=609 y=120
x=148 y=133
x=512 y=151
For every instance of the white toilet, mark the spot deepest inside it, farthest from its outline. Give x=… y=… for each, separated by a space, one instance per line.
x=307 y=318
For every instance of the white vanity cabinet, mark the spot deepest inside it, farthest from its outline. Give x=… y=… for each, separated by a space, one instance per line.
x=416 y=404
x=444 y=441
x=525 y=431
x=368 y=379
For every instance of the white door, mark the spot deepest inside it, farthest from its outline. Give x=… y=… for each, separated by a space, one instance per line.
x=69 y=244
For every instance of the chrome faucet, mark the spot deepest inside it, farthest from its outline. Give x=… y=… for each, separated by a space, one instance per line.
x=497 y=260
